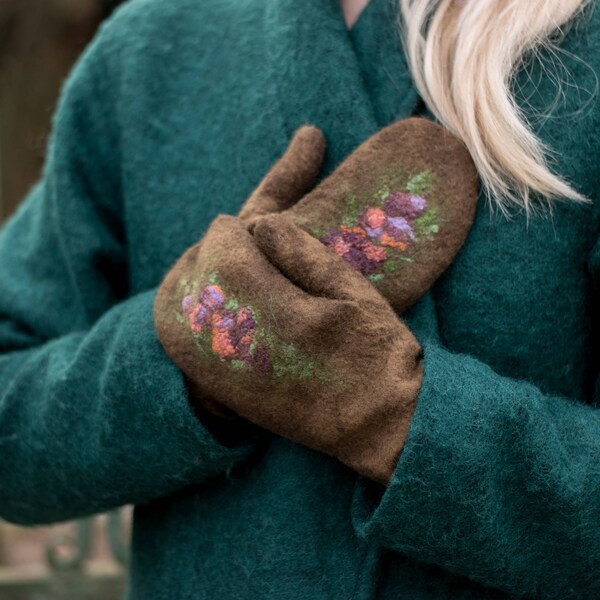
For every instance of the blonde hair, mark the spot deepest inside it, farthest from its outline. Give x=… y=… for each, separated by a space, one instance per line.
x=463 y=56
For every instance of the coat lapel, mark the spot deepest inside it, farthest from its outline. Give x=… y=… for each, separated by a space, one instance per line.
x=317 y=75
x=349 y=84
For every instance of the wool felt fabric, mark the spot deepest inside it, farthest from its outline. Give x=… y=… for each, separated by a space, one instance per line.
x=290 y=178
x=172 y=116
x=398 y=209
x=287 y=181
x=285 y=333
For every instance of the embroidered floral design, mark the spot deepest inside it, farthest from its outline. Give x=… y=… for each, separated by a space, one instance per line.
x=383 y=229
x=230 y=331
x=352 y=244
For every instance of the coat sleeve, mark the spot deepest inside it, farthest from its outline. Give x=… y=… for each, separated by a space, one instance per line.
x=93 y=414
x=497 y=482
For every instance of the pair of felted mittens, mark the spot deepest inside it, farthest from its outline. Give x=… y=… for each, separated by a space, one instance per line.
x=287 y=315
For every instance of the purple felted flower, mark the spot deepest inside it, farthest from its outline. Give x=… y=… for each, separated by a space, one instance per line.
x=399 y=229
x=200 y=311
x=188 y=304
x=243 y=331
x=226 y=320
x=200 y=318
x=355 y=248
x=212 y=296
x=402 y=204
x=361 y=262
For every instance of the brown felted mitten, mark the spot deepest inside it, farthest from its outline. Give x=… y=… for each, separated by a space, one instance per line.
x=290 y=178
x=283 y=332
x=398 y=209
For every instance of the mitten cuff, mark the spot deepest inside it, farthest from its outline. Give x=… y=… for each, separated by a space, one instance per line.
x=374 y=451
x=228 y=428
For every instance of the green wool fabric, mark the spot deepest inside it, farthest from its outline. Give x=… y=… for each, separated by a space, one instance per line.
x=173 y=115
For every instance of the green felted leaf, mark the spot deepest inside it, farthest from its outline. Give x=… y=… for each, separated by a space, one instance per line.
x=420 y=182
x=353 y=211
x=382 y=193
x=390 y=265
x=318 y=232
x=428 y=222
x=233 y=304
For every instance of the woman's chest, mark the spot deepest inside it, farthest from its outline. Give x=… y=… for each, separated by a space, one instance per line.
x=518 y=296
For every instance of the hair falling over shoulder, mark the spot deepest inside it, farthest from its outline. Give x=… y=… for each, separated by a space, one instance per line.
x=463 y=56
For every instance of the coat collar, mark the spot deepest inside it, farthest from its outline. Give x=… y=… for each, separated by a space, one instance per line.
x=349 y=84
x=378 y=48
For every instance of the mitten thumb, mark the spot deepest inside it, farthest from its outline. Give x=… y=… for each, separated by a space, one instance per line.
x=292 y=176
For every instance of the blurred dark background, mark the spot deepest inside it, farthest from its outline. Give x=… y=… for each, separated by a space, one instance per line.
x=39 y=42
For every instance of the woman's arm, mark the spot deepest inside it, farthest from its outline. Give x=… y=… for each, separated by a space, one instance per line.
x=93 y=414
x=497 y=481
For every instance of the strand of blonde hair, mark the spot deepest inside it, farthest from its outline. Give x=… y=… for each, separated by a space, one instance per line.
x=463 y=56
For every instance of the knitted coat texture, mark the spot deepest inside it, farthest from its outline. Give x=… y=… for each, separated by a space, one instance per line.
x=172 y=116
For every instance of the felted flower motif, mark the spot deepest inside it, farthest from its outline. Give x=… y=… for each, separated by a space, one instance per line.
x=200 y=318
x=212 y=296
x=353 y=245
x=402 y=204
x=339 y=245
x=373 y=220
x=222 y=323
x=388 y=240
x=233 y=333
x=399 y=229
x=188 y=304
x=199 y=312
x=242 y=334
x=374 y=253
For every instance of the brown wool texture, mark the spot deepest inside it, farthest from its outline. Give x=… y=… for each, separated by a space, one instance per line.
x=399 y=152
x=329 y=364
x=357 y=400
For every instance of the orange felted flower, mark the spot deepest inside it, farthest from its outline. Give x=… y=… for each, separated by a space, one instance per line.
x=221 y=340
x=388 y=240
x=374 y=217
x=358 y=230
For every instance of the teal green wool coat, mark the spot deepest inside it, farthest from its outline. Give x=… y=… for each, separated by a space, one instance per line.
x=173 y=115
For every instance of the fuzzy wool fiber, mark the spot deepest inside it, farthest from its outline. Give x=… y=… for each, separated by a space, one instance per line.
x=172 y=116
